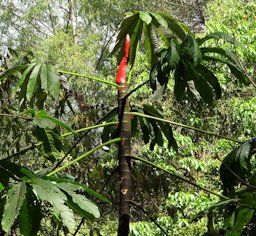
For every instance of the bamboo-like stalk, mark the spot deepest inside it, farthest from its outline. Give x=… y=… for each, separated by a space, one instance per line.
x=124 y=161
x=125 y=144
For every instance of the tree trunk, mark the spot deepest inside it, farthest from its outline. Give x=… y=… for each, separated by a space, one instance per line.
x=124 y=161
x=72 y=21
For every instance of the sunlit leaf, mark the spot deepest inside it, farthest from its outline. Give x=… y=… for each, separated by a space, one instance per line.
x=47 y=191
x=33 y=82
x=83 y=202
x=145 y=16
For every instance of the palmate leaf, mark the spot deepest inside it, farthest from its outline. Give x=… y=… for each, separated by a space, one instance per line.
x=180 y=83
x=14 y=201
x=238 y=161
x=80 y=200
x=44 y=120
x=47 y=191
x=36 y=82
x=147 y=22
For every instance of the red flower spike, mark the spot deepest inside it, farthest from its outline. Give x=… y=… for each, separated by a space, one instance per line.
x=121 y=73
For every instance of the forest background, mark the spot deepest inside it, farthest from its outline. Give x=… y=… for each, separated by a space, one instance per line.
x=76 y=38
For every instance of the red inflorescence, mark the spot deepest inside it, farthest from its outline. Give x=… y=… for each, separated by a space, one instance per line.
x=121 y=73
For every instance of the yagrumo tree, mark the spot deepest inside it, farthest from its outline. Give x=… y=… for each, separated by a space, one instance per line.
x=173 y=53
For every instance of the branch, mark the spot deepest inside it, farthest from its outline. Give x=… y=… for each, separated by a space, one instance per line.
x=79 y=140
x=148 y=215
x=16 y=116
x=236 y=175
x=179 y=177
x=63 y=135
x=241 y=65
x=88 y=77
x=184 y=126
x=84 y=155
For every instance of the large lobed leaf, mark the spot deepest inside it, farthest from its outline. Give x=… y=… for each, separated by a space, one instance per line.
x=148 y=24
x=47 y=191
x=36 y=82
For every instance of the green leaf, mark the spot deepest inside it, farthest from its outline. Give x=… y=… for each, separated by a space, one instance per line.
x=1 y=187
x=14 y=170
x=126 y=27
x=223 y=52
x=89 y=191
x=165 y=128
x=145 y=16
x=211 y=79
x=135 y=38
x=43 y=120
x=33 y=82
x=52 y=142
x=173 y=55
x=30 y=215
x=84 y=203
x=14 y=201
x=176 y=26
x=145 y=129
x=11 y=71
x=217 y=35
x=160 y=20
x=50 y=82
x=180 y=83
x=235 y=70
x=190 y=50
x=201 y=85
x=47 y=191
x=244 y=216
x=23 y=81
x=238 y=161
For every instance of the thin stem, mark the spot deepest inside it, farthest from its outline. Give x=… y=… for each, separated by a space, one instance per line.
x=132 y=91
x=80 y=139
x=88 y=77
x=150 y=217
x=184 y=126
x=63 y=135
x=242 y=66
x=89 y=128
x=178 y=177
x=16 y=116
x=84 y=155
x=236 y=175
